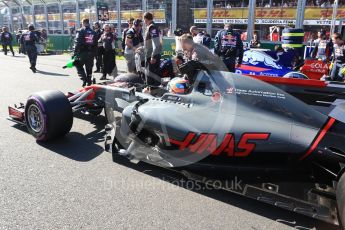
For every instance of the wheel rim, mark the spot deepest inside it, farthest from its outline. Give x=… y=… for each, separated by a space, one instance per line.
x=35 y=118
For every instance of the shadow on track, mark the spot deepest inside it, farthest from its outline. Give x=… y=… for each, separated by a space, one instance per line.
x=81 y=147
x=16 y=56
x=52 y=74
x=75 y=147
x=99 y=122
x=279 y=215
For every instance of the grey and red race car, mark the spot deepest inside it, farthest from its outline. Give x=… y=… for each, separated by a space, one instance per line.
x=283 y=140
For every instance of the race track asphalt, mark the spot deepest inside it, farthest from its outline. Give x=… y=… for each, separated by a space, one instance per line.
x=72 y=183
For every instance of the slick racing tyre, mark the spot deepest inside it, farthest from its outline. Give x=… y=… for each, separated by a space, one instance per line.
x=48 y=115
x=340 y=192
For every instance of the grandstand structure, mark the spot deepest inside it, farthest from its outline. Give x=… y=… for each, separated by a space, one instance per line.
x=62 y=17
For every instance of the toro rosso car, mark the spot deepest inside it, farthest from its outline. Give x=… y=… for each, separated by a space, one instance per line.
x=286 y=152
x=269 y=63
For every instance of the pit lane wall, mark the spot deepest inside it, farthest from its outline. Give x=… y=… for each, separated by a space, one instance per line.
x=61 y=43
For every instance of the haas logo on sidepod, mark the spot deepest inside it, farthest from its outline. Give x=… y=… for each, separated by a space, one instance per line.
x=208 y=142
x=255 y=57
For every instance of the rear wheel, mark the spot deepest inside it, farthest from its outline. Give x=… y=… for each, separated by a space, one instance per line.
x=341 y=200
x=48 y=115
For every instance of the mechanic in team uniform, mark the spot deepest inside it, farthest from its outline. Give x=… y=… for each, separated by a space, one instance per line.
x=152 y=50
x=99 y=50
x=6 y=40
x=323 y=47
x=338 y=69
x=229 y=47
x=29 y=40
x=108 y=43
x=84 y=52
x=124 y=33
x=134 y=39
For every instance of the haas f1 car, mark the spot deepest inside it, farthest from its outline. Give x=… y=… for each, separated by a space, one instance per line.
x=284 y=141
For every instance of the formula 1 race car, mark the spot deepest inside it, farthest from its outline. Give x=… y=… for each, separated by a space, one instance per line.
x=269 y=63
x=228 y=127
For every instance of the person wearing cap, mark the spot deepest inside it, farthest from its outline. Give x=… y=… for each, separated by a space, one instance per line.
x=84 y=51
x=124 y=33
x=134 y=39
x=152 y=50
x=193 y=30
x=29 y=40
x=229 y=47
x=323 y=47
x=99 y=50
x=6 y=40
x=200 y=36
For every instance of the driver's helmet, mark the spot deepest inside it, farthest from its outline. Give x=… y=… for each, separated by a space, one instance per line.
x=298 y=75
x=178 y=85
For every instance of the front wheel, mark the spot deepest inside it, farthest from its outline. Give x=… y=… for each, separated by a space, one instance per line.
x=48 y=115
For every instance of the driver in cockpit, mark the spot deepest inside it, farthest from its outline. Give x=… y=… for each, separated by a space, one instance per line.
x=178 y=85
x=169 y=68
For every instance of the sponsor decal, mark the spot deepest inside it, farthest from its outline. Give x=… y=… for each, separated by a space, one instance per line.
x=102 y=12
x=315 y=66
x=27 y=37
x=318 y=65
x=89 y=39
x=254 y=57
x=208 y=143
x=279 y=16
x=256 y=93
x=69 y=16
x=245 y=21
x=252 y=68
x=159 y=16
x=325 y=22
x=270 y=13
